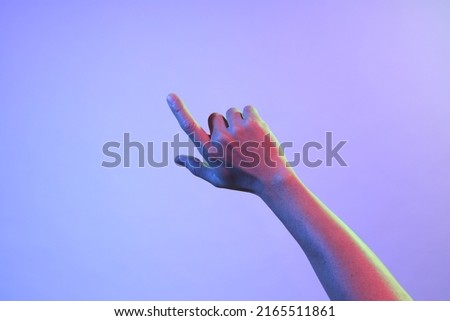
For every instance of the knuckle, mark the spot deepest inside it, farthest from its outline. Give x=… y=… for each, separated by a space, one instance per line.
x=249 y=109
x=232 y=111
x=213 y=116
x=188 y=127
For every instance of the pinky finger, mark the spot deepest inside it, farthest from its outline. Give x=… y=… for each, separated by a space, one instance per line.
x=250 y=112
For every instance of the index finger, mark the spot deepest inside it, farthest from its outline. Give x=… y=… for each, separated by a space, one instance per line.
x=186 y=121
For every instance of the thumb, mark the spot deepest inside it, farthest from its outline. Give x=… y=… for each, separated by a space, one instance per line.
x=194 y=165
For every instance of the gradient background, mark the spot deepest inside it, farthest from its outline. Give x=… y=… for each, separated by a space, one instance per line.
x=76 y=75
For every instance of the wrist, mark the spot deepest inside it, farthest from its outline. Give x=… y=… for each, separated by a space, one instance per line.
x=278 y=184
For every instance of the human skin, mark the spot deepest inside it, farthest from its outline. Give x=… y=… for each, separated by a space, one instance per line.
x=346 y=267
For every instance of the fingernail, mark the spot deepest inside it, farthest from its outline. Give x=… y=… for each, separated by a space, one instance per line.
x=170 y=99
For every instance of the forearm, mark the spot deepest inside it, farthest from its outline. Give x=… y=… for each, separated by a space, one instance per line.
x=346 y=267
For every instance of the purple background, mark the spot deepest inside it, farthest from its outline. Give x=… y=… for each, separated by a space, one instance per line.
x=74 y=76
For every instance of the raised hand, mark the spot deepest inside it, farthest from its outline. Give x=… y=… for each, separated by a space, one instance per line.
x=241 y=153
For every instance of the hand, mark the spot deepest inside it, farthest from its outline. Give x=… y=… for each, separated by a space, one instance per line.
x=240 y=152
